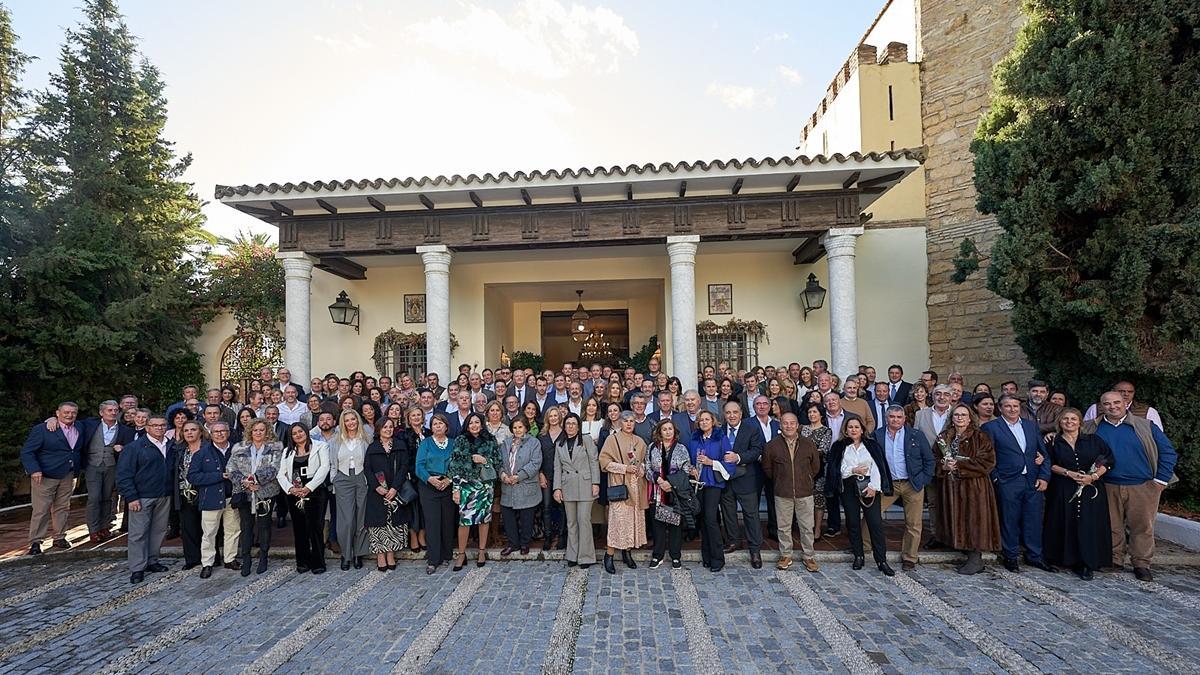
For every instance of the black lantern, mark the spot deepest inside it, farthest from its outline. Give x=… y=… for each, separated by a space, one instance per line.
x=581 y=322
x=813 y=296
x=343 y=312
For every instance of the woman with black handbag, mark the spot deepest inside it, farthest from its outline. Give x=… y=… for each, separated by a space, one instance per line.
x=623 y=459
x=858 y=471
x=668 y=455
x=388 y=464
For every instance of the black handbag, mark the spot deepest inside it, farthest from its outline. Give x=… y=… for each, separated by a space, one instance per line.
x=407 y=494
x=617 y=493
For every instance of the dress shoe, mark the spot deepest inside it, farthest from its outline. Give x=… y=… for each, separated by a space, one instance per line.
x=62 y=543
x=627 y=558
x=391 y=567
x=886 y=569
x=262 y=565
x=859 y=562
x=676 y=564
x=731 y=548
x=156 y=568
x=381 y=568
x=358 y=563
x=301 y=569
x=1041 y=565
x=206 y=571
x=506 y=551
x=235 y=565
x=830 y=532
x=785 y=563
x=1085 y=573
x=191 y=566
x=973 y=565
x=245 y=566
x=319 y=570
x=524 y=550
x=810 y=564
x=94 y=537
x=717 y=568
x=136 y=578
x=1143 y=574
x=35 y=549
x=571 y=563
x=105 y=535
x=608 y=564
x=908 y=565
x=756 y=561
x=430 y=569
x=345 y=565
x=547 y=543
x=1011 y=565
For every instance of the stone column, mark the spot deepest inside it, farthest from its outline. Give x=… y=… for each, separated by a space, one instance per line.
x=297 y=289
x=839 y=246
x=682 y=251
x=437 y=309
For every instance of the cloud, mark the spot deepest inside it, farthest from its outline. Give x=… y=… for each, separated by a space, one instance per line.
x=739 y=96
x=542 y=38
x=792 y=75
x=772 y=38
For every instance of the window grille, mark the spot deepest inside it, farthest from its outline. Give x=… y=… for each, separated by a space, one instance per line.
x=738 y=348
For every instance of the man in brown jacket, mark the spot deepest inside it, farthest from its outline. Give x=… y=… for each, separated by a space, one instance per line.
x=793 y=463
x=1039 y=410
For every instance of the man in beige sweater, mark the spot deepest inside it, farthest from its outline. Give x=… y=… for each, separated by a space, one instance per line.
x=856 y=405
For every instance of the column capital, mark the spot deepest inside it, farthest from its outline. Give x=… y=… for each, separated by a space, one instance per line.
x=296 y=264
x=683 y=239
x=682 y=249
x=840 y=241
x=436 y=258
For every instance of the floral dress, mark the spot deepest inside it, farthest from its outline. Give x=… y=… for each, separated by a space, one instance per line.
x=822 y=437
x=476 y=495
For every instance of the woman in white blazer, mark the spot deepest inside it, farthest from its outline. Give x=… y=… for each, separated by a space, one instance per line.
x=302 y=474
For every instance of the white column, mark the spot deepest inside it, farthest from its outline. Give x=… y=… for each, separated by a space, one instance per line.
x=682 y=251
x=843 y=316
x=437 y=309
x=297 y=289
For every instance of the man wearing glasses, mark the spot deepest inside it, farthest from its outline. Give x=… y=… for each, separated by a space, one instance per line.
x=144 y=480
x=209 y=476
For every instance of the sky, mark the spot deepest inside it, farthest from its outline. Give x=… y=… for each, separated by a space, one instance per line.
x=288 y=90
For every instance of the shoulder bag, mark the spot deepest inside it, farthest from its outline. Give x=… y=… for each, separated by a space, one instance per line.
x=617 y=493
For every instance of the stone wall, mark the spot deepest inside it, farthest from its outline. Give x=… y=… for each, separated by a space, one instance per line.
x=969 y=328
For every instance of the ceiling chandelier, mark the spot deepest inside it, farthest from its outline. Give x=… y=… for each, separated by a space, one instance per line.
x=581 y=322
x=596 y=349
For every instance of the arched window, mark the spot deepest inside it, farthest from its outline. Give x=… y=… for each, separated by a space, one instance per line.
x=248 y=353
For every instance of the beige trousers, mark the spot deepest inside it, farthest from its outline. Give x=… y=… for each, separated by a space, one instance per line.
x=51 y=501
x=210 y=522
x=1131 y=509
x=802 y=509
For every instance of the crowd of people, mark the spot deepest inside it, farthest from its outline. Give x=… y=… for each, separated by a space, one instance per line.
x=369 y=467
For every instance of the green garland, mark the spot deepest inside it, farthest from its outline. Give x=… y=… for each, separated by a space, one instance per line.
x=388 y=340
x=755 y=329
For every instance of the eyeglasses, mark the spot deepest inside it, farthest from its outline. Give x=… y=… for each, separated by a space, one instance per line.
x=156 y=425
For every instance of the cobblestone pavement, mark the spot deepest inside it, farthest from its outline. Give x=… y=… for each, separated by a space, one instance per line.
x=82 y=615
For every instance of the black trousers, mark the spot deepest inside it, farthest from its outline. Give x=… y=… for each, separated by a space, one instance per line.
x=308 y=527
x=752 y=525
x=855 y=512
x=666 y=538
x=441 y=522
x=772 y=522
x=712 y=548
x=190 y=531
x=518 y=526
x=253 y=526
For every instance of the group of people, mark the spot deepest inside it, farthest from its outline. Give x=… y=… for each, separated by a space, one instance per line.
x=369 y=467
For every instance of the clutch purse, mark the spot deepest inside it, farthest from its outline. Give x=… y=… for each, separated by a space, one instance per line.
x=487 y=473
x=666 y=514
x=617 y=493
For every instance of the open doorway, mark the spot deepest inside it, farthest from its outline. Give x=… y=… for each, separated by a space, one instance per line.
x=558 y=347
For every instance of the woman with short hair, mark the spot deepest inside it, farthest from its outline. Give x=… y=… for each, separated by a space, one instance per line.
x=437 y=506
x=389 y=463
x=919 y=400
x=520 y=464
x=302 y=473
x=623 y=458
x=668 y=456
x=707 y=450
x=967 y=518
x=494 y=422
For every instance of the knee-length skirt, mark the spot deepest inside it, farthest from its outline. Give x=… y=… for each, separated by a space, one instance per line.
x=475 y=503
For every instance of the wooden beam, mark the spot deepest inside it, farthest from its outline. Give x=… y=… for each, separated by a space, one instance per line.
x=682 y=188
x=343 y=267
x=379 y=206
x=282 y=209
x=327 y=206
x=737 y=186
x=426 y=201
x=578 y=197
x=793 y=182
x=880 y=180
x=629 y=191
x=526 y=198
x=851 y=180
x=475 y=199
x=256 y=211
x=808 y=252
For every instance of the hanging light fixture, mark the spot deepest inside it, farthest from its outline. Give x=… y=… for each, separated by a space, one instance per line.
x=813 y=295
x=343 y=312
x=581 y=321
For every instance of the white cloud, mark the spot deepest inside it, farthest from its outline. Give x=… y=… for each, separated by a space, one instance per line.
x=543 y=38
x=792 y=75
x=739 y=96
x=772 y=38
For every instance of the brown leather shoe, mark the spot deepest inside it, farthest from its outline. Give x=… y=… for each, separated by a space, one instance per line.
x=95 y=537
x=784 y=563
x=235 y=565
x=908 y=565
x=731 y=548
x=810 y=564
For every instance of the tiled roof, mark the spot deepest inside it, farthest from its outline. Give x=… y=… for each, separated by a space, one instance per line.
x=224 y=191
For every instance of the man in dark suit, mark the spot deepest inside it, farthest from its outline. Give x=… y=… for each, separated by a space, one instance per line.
x=457 y=418
x=880 y=402
x=285 y=378
x=770 y=429
x=910 y=462
x=685 y=420
x=664 y=407
x=51 y=458
x=101 y=441
x=898 y=389
x=1021 y=475
x=144 y=480
x=745 y=447
x=521 y=387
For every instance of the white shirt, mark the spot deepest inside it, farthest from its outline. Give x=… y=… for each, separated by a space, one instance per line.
x=1018 y=432
x=835 y=424
x=290 y=416
x=939 y=421
x=857 y=455
x=574 y=407
x=592 y=428
x=766 y=428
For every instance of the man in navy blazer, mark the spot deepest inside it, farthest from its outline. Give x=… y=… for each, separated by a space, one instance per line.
x=911 y=465
x=144 y=480
x=745 y=486
x=685 y=420
x=1021 y=475
x=898 y=389
x=51 y=458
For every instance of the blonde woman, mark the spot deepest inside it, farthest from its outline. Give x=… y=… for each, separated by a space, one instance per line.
x=253 y=466
x=347 y=458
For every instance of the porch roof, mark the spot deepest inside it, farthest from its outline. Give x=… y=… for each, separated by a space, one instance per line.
x=868 y=175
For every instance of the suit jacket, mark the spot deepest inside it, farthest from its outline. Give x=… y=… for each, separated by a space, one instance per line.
x=849 y=416
x=524 y=396
x=748 y=445
x=491 y=395
x=924 y=424
x=918 y=456
x=903 y=391
x=577 y=470
x=773 y=425
x=205 y=474
x=879 y=416
x=49 y=452
x=1010 y=460
x=143 y=472
x=684 y=424
x=87 y=427
x=527 y=492
x=455 y=426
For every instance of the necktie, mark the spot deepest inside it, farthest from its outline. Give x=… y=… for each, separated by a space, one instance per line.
x=893 y=390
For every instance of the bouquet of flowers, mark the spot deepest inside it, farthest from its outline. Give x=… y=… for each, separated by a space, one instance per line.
x=300 y=501
x=1095 y=468
x=949 y=453
x=187 y=491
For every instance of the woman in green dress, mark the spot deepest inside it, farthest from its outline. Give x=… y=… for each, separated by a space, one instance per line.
x=474 y=468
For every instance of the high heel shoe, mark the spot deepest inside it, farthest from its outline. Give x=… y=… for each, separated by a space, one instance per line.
x=627 y=558
x=608 y=564
x=459 y=562
x=482 y=560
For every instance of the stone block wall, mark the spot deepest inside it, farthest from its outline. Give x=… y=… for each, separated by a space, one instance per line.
x=969 y=328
